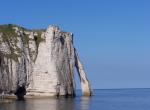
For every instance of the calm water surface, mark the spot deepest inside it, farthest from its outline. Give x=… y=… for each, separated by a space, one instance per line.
x=110 y=99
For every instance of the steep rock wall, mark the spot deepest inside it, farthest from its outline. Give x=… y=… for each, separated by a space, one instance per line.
x=41 y=61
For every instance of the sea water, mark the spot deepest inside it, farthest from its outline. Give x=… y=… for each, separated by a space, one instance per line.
x=102 y=99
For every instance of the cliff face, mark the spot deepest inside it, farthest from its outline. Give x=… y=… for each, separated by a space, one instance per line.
x=39 y=62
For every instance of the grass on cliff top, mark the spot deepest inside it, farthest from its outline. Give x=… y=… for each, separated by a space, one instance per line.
x=10 y=36
x=9 y=32
x=8 y=28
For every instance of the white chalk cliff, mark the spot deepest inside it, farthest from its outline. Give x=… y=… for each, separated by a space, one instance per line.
x=39 y=61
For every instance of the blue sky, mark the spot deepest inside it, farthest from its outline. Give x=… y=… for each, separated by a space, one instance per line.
x=111 y=36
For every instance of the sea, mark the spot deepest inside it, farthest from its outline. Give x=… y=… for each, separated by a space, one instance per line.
x=102 y=99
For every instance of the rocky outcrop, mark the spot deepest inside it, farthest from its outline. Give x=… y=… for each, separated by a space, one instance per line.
x=39 y=62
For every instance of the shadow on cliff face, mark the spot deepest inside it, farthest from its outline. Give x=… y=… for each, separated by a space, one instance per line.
x=21 y=91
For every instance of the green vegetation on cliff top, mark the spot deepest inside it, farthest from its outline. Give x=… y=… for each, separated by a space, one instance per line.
x=9 y=36
x=9 y=33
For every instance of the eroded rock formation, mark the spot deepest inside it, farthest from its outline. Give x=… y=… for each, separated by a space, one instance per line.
x=40 y=62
